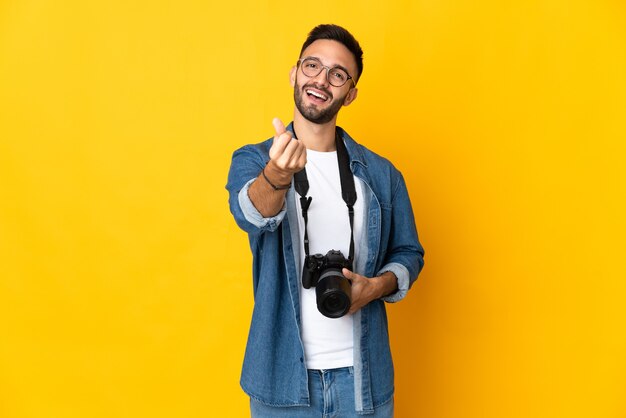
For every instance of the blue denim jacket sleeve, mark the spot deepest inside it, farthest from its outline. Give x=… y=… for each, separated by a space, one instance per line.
x=405 y=254
x=247 y=163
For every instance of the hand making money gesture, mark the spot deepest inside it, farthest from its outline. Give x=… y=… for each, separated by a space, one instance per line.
x=287 y=155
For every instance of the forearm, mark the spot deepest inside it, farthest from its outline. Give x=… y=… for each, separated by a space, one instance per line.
x=265 y=198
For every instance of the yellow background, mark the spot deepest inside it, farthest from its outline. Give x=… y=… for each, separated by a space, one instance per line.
x=125 y=286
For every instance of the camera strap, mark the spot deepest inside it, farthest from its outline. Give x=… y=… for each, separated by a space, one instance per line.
x=348 y=191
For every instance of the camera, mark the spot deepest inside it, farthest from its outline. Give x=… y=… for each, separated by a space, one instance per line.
x=332 y=289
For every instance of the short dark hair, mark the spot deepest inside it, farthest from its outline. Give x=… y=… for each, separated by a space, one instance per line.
x=341 y=35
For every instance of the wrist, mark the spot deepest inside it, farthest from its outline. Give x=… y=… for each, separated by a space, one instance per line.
x=387 y=283
x=277 y=175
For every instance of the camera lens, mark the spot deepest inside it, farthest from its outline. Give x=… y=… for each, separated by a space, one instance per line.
x=333 y=302
x=333 y=294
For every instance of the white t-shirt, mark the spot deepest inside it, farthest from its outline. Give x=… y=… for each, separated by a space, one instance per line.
x=328 y=342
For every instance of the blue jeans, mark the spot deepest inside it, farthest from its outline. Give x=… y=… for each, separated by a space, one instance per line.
x=332 y=396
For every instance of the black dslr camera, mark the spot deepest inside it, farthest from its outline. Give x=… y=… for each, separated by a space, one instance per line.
x=332 y=289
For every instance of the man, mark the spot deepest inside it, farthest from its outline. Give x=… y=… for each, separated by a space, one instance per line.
x=303 y=359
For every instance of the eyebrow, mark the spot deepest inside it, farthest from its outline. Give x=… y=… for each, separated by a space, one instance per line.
x=334 y=66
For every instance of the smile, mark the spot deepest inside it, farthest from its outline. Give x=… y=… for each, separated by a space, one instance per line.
x=316 y=94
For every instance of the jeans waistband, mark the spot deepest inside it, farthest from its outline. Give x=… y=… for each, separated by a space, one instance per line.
x=348 y=369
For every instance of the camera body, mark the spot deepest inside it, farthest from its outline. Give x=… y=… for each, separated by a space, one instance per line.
x=332 y=289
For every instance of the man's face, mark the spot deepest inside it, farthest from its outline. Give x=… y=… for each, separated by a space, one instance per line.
x=316 y=99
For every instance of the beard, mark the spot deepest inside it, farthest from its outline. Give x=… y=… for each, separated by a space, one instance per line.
x=311 y=112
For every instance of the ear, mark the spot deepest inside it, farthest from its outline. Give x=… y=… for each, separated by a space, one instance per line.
x=351 y=96
x=292 y=76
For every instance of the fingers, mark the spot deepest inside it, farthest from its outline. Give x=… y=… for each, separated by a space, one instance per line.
x=298 y=159
x=360 y=290
x=280 y=144
x=286 y=154
x=281 y=138
x=293 y=156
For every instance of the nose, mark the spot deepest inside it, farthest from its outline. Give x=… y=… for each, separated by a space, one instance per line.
x=322 y=77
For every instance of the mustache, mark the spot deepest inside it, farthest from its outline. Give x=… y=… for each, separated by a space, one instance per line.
x=320 y=88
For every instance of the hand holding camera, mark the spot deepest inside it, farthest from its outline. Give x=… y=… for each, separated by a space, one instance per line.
x=366 y=289
x=340 y=291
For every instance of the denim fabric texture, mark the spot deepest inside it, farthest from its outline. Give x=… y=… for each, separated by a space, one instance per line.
x=274 y=369
x=332 y=396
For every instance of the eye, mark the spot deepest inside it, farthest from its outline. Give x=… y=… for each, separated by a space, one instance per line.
x=311 y=64
x=339 y=75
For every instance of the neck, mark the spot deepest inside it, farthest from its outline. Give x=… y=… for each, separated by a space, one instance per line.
x=315 y=137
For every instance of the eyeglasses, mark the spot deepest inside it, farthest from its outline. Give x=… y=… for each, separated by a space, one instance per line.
x=336 y=76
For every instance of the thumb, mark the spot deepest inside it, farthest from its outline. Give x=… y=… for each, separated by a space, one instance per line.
x=279 y=126
x=348 y=274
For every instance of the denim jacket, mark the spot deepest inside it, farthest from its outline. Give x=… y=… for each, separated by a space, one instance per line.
x=274 y=368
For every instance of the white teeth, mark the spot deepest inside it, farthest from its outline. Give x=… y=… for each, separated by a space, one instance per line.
x=316 y=94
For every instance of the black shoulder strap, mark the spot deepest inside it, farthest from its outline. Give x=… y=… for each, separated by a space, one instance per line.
x=348 y=191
